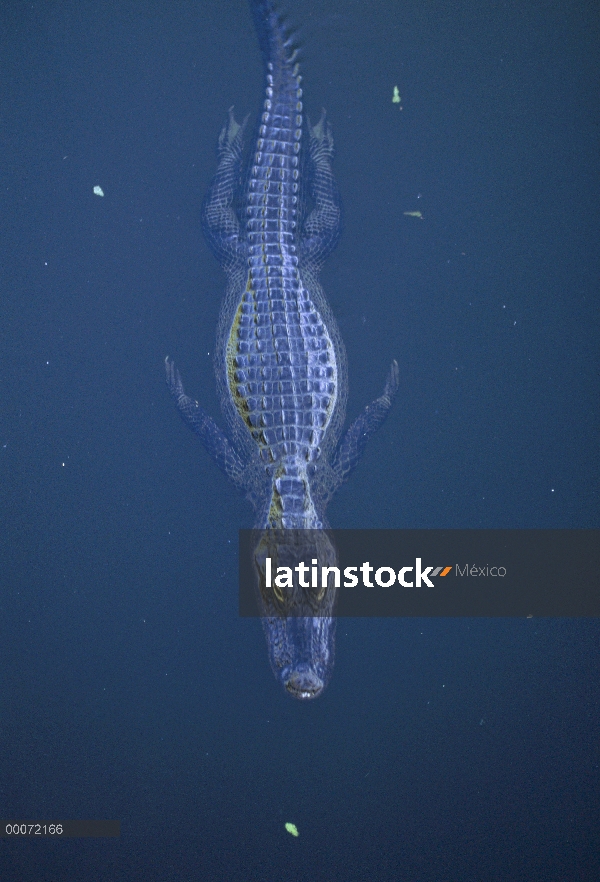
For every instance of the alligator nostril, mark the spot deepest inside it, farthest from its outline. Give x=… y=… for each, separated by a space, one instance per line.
x=304 y=684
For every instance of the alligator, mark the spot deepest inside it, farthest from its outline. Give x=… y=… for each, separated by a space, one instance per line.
x=280 y=362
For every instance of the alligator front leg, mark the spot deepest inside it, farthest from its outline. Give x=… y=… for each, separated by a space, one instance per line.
x=354 y=440
x=211 y=436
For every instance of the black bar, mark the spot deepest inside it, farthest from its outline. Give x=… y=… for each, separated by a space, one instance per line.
x=57 y=829
x=520 y=573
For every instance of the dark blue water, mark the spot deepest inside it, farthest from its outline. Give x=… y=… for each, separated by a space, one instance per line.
x=129 y=688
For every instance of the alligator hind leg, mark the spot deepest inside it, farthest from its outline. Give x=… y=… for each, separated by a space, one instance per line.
x=219 y=220
x=323 y=225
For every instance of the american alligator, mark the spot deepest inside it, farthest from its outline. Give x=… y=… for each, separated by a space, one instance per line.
x=280 y=362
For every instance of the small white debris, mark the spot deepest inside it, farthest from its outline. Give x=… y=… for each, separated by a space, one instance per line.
x=98 y=191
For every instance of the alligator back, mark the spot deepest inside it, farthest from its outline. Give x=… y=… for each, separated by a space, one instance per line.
x=280 y=361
